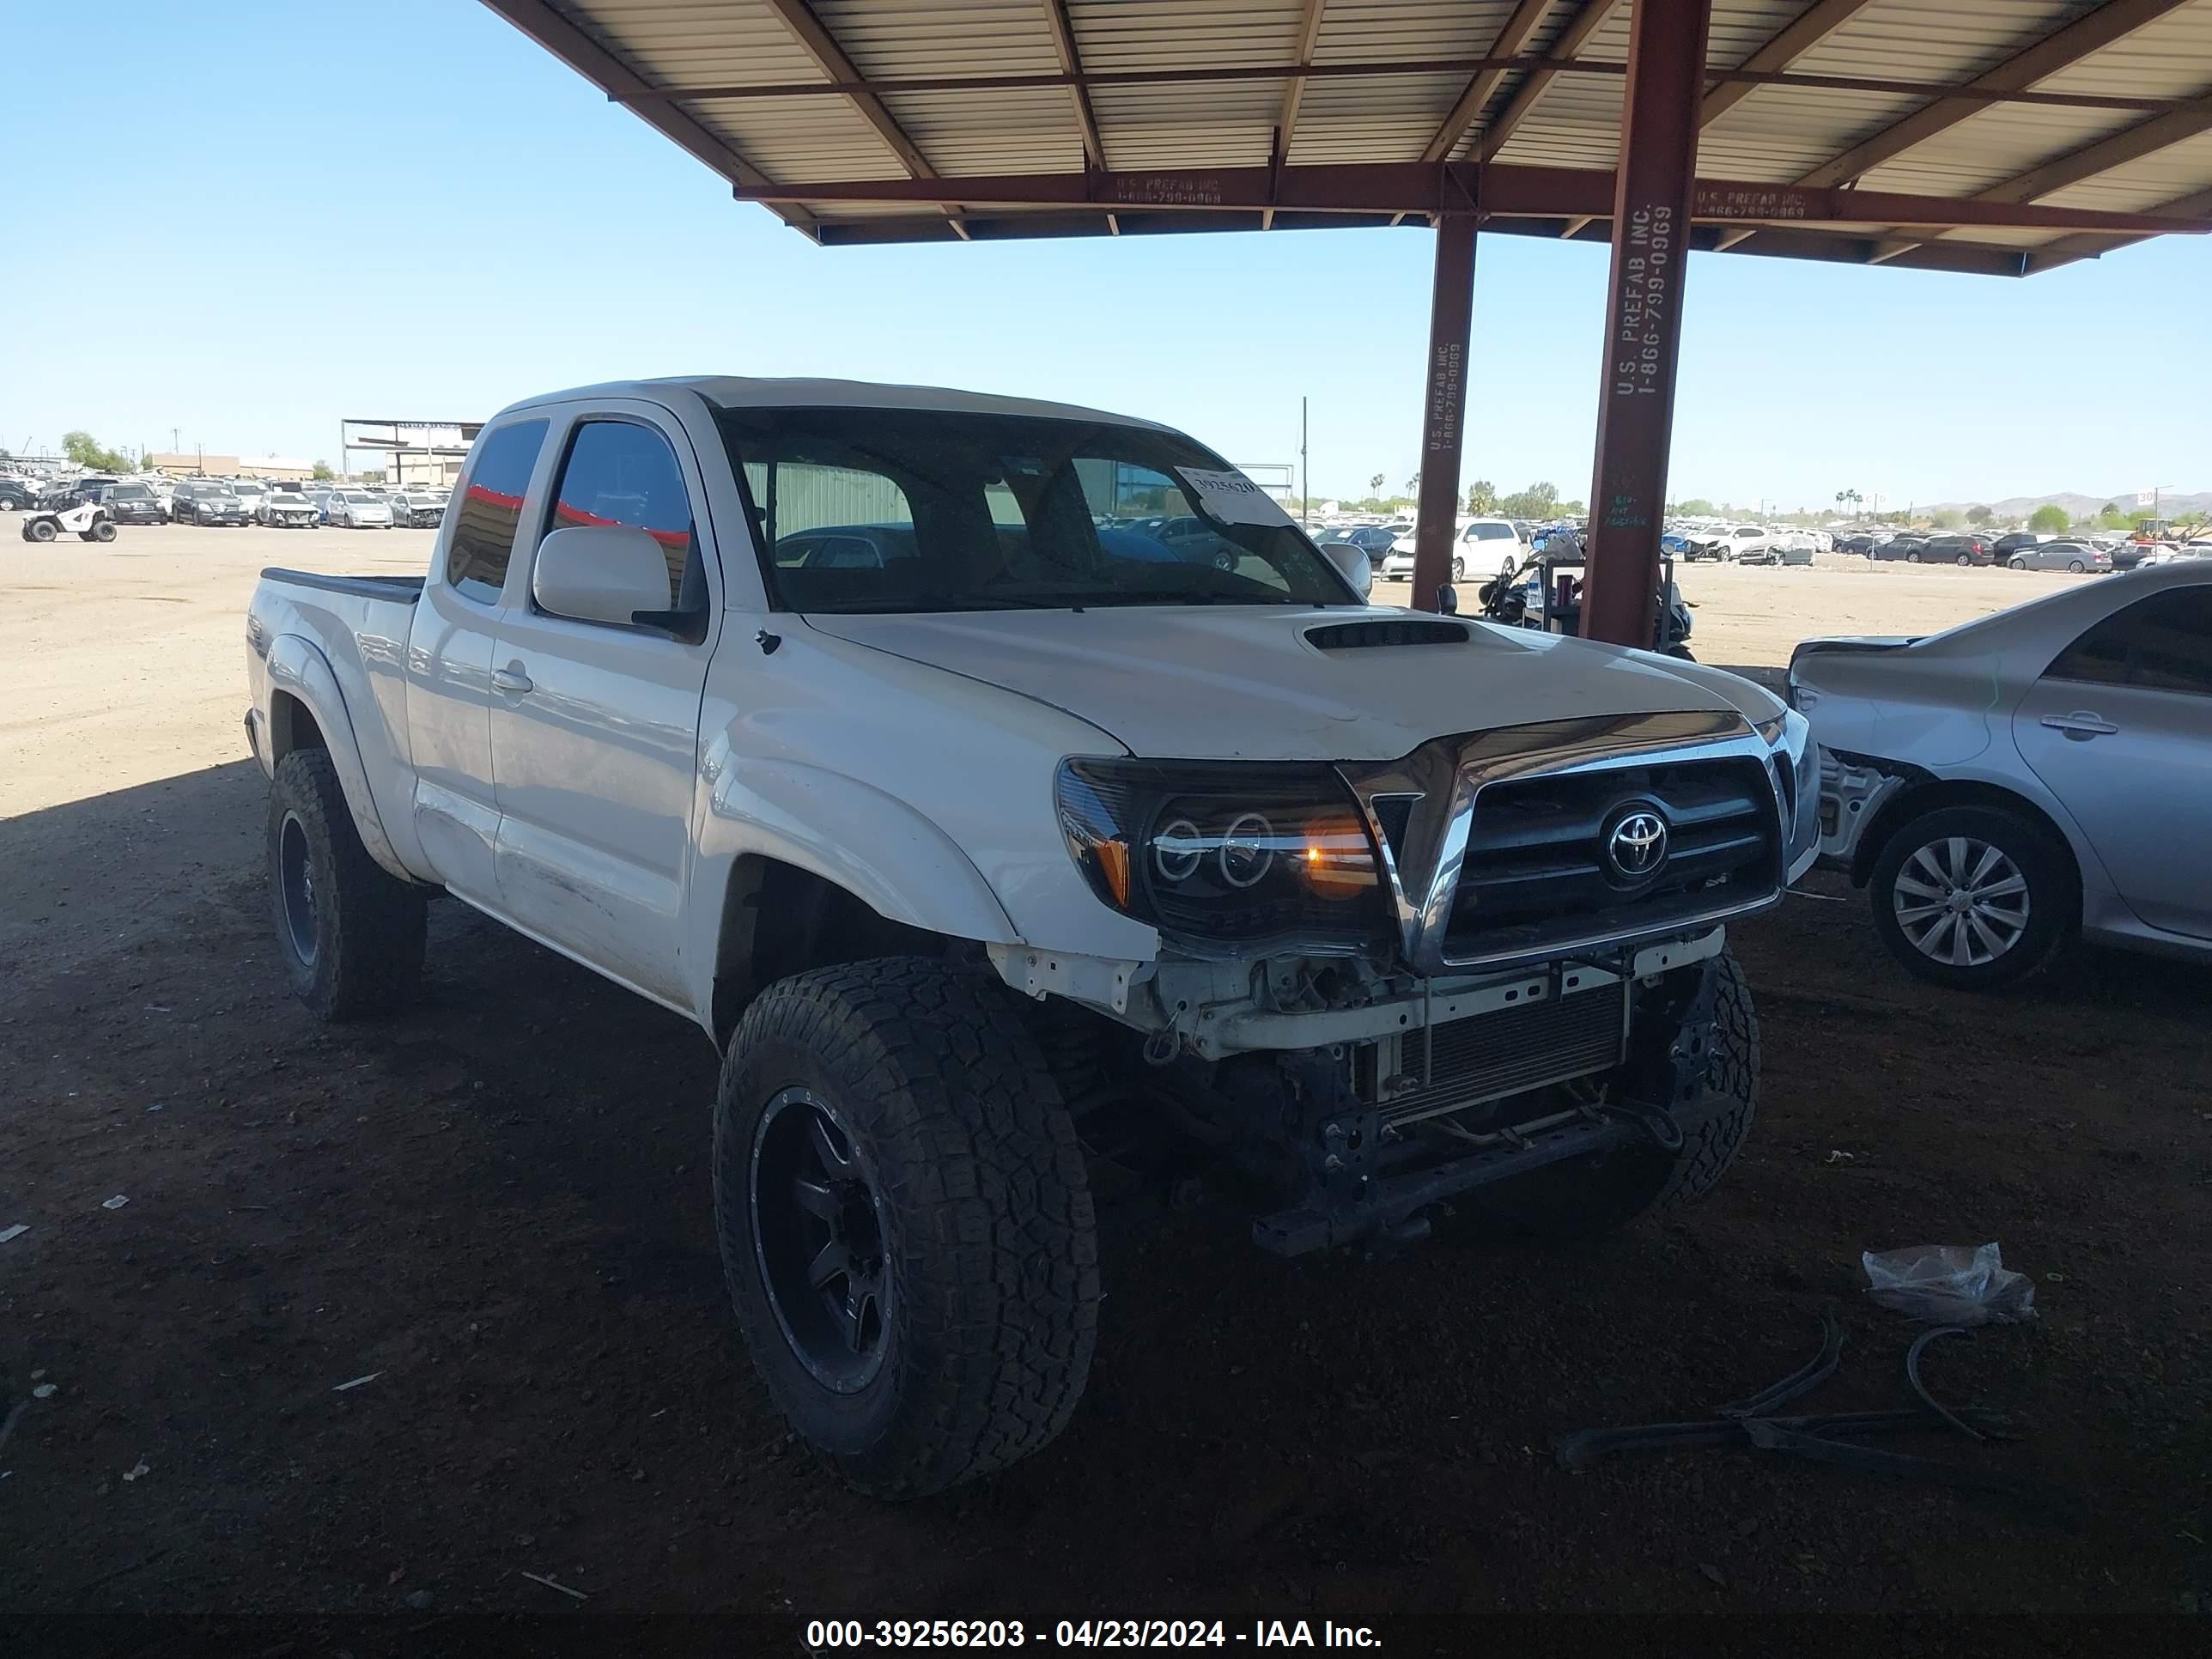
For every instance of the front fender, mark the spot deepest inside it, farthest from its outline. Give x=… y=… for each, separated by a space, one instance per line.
x=297 y=666
x=849 y=833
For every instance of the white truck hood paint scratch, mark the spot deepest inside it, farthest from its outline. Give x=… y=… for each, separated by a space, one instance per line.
x=1222 y=683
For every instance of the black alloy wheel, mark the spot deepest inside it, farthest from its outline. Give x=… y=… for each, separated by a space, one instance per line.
x=818 y=1237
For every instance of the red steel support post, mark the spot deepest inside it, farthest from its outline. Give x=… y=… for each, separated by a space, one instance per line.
x=1652 y=192
x=1451 y=308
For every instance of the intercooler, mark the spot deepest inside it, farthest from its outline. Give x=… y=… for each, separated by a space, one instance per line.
x=1466 y=1062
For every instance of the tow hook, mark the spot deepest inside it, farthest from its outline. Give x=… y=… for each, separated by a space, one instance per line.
x=1657 y=1122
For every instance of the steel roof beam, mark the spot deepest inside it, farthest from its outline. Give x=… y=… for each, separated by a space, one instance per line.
x=1378 y=69
x=1476 y=97
x=2111 y=21
x=1806 y=30
x=1070 y=64
x=1286 y=115
x=2117 y=150
x=624 y=85
x=2090 y=245
x=1583 y=24
x=1416 y=187
x=821 y=47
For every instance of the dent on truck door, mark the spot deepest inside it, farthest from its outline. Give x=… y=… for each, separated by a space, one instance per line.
x=595 y=729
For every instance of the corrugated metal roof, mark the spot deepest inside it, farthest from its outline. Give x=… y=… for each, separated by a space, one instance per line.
x=1125 y=79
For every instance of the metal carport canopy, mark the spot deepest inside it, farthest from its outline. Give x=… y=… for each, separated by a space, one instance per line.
x=1998 y=138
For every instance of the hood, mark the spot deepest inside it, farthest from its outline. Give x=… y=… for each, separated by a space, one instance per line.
x=1243 y=682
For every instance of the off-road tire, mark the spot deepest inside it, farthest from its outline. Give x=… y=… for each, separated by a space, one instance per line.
x=1585 y=1196
x=2054 y=894
x=41 y=530
x=988 y=1228
x=369 y=926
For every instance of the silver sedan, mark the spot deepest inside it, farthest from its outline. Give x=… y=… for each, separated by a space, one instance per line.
x=2042 y=773
x=2077 y=556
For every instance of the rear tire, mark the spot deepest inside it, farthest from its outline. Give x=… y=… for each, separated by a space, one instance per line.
x=1964 y=559
x=1912 y=558
x=1911 y=895
x=351 y=933
x=2076 y=566
x=905 y=1222
x=1607 y=1190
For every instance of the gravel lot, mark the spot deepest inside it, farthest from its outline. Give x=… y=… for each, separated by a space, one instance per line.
x=499 y=1206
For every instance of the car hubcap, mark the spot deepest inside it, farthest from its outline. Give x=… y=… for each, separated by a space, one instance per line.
x=818 y=1238
x=295 y=875
x=1961 y=902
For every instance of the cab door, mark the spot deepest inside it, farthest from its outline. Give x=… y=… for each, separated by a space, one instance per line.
x=2120 y=728
x=595 y=725
x=449 y=664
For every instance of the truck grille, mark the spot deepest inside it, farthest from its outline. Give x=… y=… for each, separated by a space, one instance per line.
x=1536 y=873
x=1510 y=1051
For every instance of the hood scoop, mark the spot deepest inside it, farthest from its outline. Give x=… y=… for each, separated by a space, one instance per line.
x=1369 y=635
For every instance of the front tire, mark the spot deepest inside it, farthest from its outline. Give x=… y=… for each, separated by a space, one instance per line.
x=104 y=531
x=41 y=529
x=1607 y=1190
x=349 y=933
x=1974 y=898
x=1912 y=558
x=905 y=1223
x=2016 y=564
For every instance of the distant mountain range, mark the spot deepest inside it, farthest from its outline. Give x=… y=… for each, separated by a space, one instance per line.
x=2171 y=503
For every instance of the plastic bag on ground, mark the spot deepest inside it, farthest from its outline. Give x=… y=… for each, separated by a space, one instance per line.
x=1949 y=1285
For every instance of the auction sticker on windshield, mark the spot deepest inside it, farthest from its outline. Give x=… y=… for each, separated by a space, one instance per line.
x=1231 y=497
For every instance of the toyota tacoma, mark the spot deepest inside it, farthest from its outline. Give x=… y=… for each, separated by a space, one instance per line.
x=868 y=729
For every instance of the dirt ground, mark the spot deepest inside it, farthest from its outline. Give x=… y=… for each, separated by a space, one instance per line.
x=496 y=1208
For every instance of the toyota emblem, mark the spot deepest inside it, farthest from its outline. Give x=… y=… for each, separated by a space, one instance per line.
x=1638 y=845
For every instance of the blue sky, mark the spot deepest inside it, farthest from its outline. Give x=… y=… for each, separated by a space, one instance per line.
x=242 y=221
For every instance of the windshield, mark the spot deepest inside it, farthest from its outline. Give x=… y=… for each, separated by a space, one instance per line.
x=918 y=510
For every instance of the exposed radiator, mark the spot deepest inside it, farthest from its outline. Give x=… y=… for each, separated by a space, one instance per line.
x=1492 y=1055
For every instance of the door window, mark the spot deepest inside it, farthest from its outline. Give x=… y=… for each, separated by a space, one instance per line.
x=2162 y=642
x=491 y=510
x=618 y=472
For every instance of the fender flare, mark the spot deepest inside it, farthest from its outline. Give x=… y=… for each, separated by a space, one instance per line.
x=846 y=831
x=297 y=666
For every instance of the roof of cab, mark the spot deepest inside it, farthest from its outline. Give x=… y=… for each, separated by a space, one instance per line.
x=741 y=392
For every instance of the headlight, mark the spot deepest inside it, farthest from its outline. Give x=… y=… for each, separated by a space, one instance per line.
x=1225 y=855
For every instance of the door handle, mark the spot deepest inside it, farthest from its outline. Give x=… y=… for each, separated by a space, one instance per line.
x=512 y=681
x=2082 y=725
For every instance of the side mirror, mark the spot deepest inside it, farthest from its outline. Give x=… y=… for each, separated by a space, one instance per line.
x=1352 y=563
x=601 y=573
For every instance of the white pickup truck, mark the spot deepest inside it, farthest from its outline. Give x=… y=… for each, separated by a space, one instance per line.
x=855 y=724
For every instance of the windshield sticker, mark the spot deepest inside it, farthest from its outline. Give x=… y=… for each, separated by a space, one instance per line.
x=1231 y=497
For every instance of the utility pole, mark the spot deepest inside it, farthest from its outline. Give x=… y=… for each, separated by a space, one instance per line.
x=1305 y=473
x=174 y=440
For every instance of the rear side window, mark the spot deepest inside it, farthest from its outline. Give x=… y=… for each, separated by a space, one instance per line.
x=491 y=510
x=2162 y=642
x=618 y=472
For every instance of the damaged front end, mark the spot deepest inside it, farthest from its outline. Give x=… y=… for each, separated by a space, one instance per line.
x=1381 y=986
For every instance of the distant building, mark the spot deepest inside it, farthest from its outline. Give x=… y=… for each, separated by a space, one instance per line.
x=229 y=467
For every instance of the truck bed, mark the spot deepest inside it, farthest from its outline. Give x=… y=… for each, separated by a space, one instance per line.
x=406 y=589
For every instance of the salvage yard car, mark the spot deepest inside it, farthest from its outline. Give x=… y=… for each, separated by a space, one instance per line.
x=1013 y=833
x=203 y=500
x=2039 y=773
x=285 y=509
x=356 y=509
